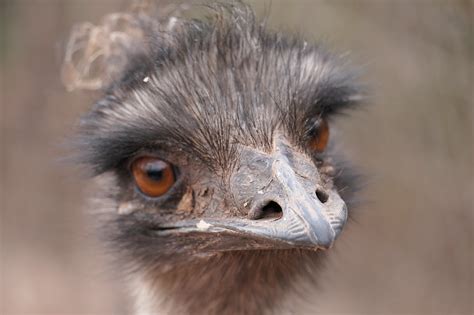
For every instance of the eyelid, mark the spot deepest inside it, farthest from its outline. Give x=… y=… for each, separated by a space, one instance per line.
x=317 y=124
x=156 y=154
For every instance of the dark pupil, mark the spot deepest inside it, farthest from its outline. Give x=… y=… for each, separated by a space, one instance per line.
x=154 y=172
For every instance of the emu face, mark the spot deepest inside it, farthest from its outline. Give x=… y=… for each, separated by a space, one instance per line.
x=216 y=139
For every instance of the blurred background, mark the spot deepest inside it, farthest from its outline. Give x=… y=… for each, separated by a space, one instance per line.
x=411 y=249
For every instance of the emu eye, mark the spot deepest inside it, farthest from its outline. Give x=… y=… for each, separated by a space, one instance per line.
x=154 y=177
x=320 y=139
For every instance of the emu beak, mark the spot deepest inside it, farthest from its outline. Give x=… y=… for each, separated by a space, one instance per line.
x=306 y=221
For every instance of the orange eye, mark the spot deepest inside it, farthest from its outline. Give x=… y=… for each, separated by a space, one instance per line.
x=321 y=137
x=153 y=176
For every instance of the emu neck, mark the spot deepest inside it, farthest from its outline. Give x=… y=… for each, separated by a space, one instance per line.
x=251 y=282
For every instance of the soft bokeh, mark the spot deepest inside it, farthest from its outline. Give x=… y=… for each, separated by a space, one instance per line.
x=410 y=250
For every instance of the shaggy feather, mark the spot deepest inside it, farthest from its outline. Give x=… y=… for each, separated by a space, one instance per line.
x=200 y=92
x=214 y=84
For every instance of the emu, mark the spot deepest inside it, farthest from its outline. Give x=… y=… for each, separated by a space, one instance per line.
x=220 y=186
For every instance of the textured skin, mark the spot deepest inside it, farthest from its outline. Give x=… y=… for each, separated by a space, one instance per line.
x=216 y=89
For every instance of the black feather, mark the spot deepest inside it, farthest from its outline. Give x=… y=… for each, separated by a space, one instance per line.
x=213 y=84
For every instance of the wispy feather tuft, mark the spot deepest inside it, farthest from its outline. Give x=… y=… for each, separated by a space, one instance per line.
x=206 y=86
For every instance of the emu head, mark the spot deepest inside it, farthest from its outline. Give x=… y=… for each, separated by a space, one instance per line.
x=215 y=139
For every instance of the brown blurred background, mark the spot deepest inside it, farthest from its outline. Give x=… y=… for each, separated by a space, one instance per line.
x=410 y=251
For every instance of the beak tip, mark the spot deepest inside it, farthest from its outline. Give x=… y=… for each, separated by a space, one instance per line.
x=326 y=241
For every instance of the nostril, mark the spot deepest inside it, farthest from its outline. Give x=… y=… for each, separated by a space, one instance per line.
x=322 y=195
x=270 y=210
